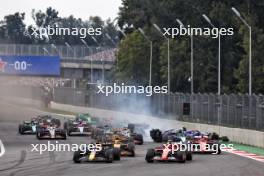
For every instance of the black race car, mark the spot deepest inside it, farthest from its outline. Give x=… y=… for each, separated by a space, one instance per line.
x=106 y=154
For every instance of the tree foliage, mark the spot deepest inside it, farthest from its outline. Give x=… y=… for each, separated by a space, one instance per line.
x=234 y=49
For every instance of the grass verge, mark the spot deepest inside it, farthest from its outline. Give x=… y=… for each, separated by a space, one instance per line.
x=247 y=148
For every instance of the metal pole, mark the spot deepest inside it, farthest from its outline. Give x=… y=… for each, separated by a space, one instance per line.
x=191 y=64
x=249 y=27
x=219 y=64
x=192 y=76
x=103 y=70
x=150 y=65
x=91 y=70
x=168 y=65
x=250 y=63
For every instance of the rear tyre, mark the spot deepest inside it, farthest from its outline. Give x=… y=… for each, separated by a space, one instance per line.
x=219 y=150
x=109 y=156
x=38 y=134
x=181 y=156
x=63 y=133
x=131 y=149
x=68 y=132
x=116 y=154
x=189 y=156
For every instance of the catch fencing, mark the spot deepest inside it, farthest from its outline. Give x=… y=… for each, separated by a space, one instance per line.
x=65 y=52
x=242 y=111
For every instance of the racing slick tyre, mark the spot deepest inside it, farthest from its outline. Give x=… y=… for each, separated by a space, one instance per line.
x=218 y=149
x=214 y=136
x=156 y=135
x=63 y=134
x=38 y=134
x=150 y=155
x=93 y=134
x=109 y=156
x=68 y=132
x=116 y=154
x=189 y=156
x=65 y=126
x=131 y=148
x=181 y=156
x=20 y=129
x=77 y=156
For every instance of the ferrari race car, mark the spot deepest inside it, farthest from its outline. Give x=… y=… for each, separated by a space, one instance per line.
x=166 y=152
x=49 y=128
x=28 y=127
x=78 y=127
x=106 y=154
x=206 y=143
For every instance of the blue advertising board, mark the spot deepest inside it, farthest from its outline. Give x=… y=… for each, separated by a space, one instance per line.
x=30 y=65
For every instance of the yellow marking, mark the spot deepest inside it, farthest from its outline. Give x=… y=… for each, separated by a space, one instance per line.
x=92 y=155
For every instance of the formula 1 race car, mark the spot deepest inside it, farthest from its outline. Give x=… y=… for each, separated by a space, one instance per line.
x=208 y=143
x=28 y=127
x=166 y=153
x=77 y=127
x=99 y=131
x=136 y=132
x=124 y=143
x=93 y=121
x=106 y=154
x=48 y=128
x=158 y=136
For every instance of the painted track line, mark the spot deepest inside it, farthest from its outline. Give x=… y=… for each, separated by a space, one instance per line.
x=245 y=154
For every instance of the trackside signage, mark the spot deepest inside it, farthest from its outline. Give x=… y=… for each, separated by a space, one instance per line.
x=30 y=65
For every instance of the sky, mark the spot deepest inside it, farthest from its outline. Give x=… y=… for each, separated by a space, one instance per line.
x=79 y=8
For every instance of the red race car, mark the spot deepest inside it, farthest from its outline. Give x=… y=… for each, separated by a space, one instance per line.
x=167 y=152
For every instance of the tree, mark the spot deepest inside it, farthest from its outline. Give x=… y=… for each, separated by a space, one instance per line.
x=12 y=29
x=133 y=60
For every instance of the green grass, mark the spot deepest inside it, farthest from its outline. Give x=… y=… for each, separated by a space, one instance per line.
x=247 y=148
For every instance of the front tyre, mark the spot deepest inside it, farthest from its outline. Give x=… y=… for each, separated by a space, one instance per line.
x=77 y=156
x=150 y=155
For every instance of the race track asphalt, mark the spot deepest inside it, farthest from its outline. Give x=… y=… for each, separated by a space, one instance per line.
x=20 y=161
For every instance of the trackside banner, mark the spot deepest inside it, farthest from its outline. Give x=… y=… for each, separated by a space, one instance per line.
x=30 y=65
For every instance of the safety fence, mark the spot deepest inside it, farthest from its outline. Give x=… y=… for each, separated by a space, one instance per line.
x=242 y=111
x=65 y=52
